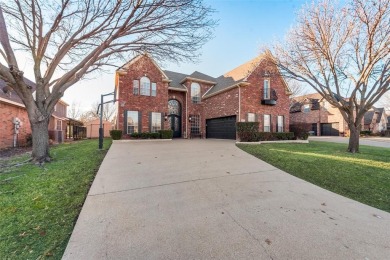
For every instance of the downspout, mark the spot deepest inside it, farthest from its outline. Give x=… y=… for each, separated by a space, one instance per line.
x=186 y=134
x=239 y=103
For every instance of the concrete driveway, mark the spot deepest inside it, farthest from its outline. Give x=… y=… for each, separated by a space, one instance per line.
x=370 y=141
x=207 y=199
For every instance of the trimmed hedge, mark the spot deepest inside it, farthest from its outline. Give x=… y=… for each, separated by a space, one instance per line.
x=116 y=134
x=166 y=134
x=247 y=131
x=365 y=132
x=145 y=135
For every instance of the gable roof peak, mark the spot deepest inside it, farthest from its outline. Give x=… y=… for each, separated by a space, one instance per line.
x=244 y=70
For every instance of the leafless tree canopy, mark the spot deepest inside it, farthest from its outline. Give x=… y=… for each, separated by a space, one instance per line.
x=69 y=39
x=109 y=110
x=341 y=51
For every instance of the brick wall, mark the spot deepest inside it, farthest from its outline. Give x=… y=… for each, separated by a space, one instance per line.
x=7 y=113
x=145 y=104
x=252 y=95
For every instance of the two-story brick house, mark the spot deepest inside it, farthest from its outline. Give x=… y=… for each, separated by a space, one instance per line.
x=151 y=99
x=321 y=117
x=14 y=122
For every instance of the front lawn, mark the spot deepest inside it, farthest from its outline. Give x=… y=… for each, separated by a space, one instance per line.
x=364 y=177
x=40 y=205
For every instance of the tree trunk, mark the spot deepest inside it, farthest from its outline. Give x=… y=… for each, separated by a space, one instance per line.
x=40 y=140
x=353 y=146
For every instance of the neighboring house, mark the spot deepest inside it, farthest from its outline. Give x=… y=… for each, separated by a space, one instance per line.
x=199 y=105
x=14 y=122
x=323 y=118
x=375 y=120
x=93 y=128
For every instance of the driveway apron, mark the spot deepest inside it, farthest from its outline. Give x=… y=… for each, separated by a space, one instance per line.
x=207 y=199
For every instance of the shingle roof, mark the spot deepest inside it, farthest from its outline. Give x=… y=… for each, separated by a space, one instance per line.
x=368 y=117
x=229 y=79
x=11 y=94
x=175 y=78
x=202 y=76
x=244 y=70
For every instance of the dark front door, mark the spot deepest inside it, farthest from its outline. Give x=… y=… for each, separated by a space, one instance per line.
x=221 y=128
x=175 y=123
x=174 y=117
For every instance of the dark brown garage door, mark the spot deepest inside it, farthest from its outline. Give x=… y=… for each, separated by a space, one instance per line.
x=331 y=129
x=221 y=128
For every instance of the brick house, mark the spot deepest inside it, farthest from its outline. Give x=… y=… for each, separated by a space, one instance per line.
x=323 y=118
x=199 y=105
x=14 y=119
x=375 y=120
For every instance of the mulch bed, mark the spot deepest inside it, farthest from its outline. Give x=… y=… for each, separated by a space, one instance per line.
x=10 y=152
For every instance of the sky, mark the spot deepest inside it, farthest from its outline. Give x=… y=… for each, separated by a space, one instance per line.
x=244 y=27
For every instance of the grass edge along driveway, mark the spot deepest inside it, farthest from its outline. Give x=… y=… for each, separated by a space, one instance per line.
x=39 y=206
x=364 y=176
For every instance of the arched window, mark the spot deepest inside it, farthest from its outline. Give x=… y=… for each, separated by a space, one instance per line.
x=195 y=93
x=145 y=86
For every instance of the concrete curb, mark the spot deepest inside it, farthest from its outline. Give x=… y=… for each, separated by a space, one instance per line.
x=140 y=140
x=277 y=142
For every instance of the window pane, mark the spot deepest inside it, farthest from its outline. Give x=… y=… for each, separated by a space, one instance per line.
x=195 y=124
x=280 y=124
x=195 y=93
x=306 y=108
x=156 y=122
x=266 y=89
x=154 y=89
x=135 y=87
x=132 y=122
x=145 y=86
x=267 y=123
x=173 y=107
x=251 y=117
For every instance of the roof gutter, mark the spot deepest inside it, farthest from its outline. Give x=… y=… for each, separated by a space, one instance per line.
x=198 y=80
x=240 y=84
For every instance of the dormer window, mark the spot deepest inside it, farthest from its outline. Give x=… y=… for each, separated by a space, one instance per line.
x=267 y=90
x=195 y=93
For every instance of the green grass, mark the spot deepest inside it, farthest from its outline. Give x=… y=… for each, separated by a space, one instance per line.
x=39 y=206
x=364 y=176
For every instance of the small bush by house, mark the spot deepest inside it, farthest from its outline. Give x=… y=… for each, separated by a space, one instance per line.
x=166 y=134
x=247 y=131
x=116 y=134
x=301 y=131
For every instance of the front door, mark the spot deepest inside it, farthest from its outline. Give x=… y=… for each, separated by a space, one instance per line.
x=174 y=117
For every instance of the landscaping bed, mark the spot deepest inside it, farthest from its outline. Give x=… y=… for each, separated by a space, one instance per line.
x=39 y=206
x=363 y=176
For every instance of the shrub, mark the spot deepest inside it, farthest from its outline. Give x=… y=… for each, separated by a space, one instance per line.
x=365 y=132
x=385 y=133
x=268 y=136
x=247 y=131
x=145 y=135
x=116 y=134
x=135 y=135
x=301 y=131
x=166 y=134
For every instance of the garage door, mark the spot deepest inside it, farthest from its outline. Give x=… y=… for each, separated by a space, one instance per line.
x=331 y=129
x=221 y=128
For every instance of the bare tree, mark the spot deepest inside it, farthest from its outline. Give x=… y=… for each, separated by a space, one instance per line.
x=297 y=89
x=108 y=110
x=74 y=111
x=68 y=40
x=343 y=53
